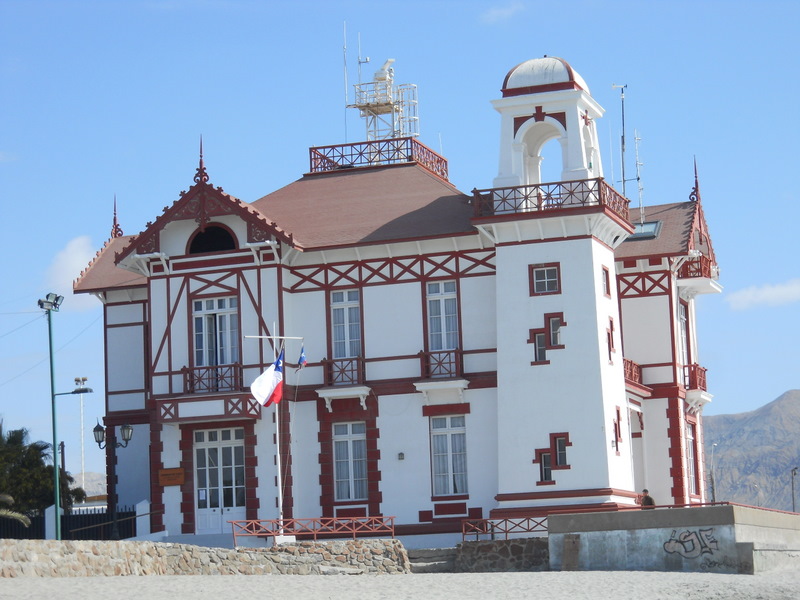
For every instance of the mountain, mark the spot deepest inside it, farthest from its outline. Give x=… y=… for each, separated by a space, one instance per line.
x=753 y=454
x=95 y=483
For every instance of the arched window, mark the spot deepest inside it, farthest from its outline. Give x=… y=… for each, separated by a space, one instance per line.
x=213 y=239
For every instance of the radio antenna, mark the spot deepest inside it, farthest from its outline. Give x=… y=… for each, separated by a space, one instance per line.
x=637 y=139
x=622 y=146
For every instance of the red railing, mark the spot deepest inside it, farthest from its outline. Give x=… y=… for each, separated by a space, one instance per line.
x=221 y=378
x=633 y=372
x=549 y=196
x=324 y=526
x=700 y=266
x=377 y=152
x=694 y=377
x=441 y=363
x=344 y=371
x=494 y=527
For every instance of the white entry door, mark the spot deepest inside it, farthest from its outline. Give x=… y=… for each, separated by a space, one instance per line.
x=219 y=479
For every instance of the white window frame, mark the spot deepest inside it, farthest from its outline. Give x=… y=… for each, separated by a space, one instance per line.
x=449 y=455
x=442 y=302
x=346 y=323
x=215 y=331
x=691 y=458
x=350 y=480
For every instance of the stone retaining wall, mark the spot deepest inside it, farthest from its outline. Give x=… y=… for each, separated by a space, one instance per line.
x=523 y=554
x=50 y=558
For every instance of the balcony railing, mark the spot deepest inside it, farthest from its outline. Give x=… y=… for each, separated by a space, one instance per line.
x=344 y=371
x=442 y=363
x=633 y=372
x=502 y=527
x=549 y=196
x=700 y=266
x=694 y=377
x=375 y=153
x=314 y=528
x=220 y=378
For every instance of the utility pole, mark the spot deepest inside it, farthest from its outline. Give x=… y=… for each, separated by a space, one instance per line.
x=794 y=474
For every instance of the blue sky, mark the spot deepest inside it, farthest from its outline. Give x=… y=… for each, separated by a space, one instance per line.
x=103 y=98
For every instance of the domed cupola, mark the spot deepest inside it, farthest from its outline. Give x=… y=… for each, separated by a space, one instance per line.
x=542 y=75
x=545 y=99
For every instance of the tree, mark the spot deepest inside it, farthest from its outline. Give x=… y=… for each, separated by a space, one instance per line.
x=10 y=514
x=26 y=476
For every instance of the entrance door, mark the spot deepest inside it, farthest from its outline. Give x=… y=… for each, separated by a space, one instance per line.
x=219 y=479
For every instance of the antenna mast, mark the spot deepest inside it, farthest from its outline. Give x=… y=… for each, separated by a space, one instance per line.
x=637 y=139
x=622 y=100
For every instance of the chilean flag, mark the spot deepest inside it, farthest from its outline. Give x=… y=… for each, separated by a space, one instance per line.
x=268 y=387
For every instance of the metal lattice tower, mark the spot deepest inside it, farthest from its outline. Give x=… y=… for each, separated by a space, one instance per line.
x=390 y=110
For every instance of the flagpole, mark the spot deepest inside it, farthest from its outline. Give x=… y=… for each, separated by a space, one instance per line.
x=278 y=478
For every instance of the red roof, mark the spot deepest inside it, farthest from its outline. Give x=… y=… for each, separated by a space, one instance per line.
x=677 y=221
x=102 y=273
x=367 y=206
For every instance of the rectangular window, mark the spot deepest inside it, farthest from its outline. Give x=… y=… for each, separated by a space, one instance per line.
x=544 y=279
x=346 y=324
x=545 y=467
x=442 y=316
x=350 y=461
x=561 y=451
x=683 y=332
x=216 y=331
x=555 y=331
x=540 y=348
x=449 y=455
x=606 y=282
x=610 y=340
x=691 y=459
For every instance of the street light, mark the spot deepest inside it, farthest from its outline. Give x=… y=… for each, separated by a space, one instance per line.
x=794 y=474
x=51 y=304
x=100 y=437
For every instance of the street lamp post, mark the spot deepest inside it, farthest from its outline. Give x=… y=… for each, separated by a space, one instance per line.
x=100 y=437
x=794 y=474
x=713 y=481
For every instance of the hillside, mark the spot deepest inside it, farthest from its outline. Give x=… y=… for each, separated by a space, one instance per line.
x=755 y=452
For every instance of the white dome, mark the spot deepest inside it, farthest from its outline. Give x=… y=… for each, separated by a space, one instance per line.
x=542 y=75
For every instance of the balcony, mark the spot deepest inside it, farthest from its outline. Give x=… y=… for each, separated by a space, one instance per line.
x=344 y=371
x=549 y=196
x=699 y=275
x=441 y=364
x=208 y=380
x=633 y=372
x=377 y=153
x=694 y=377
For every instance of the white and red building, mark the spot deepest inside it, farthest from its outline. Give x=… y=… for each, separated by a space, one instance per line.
x=520 y=349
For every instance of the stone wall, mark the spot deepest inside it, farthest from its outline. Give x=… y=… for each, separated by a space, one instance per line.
x=523 y=554
x=50 y=558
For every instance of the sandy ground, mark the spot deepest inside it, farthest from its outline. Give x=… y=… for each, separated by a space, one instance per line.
x=603 y=585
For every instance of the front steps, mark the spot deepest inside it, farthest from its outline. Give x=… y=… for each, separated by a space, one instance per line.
x=432 y=560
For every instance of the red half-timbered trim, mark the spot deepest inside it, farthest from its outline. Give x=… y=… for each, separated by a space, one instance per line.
x=156 y=489
x=186 y=447
x=637 y=285
x=384 y=271
x=349 y=410
x=676 y=451
x=439 y=410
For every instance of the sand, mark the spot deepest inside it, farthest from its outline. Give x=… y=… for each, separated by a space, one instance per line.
x=603 y=585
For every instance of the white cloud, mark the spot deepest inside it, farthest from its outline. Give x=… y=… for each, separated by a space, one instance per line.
x=502 y=13
x=765 y=295
x=65 y=268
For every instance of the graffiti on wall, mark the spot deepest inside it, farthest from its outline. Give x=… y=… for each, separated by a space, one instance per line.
x=691 y=544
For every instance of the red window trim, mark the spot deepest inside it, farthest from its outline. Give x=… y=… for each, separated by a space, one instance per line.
x=531 y=280
x=439 y=410
x=546 y=332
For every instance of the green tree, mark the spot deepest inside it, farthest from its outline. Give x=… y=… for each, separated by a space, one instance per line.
x=10 y=514
x=26 y=475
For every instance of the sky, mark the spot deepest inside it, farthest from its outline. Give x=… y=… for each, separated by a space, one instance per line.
x=105 y=99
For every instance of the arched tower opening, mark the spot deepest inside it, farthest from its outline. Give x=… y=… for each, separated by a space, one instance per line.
x=213 y=238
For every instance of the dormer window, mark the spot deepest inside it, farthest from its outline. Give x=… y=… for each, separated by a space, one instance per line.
x=212 y=239
x=648 y=230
